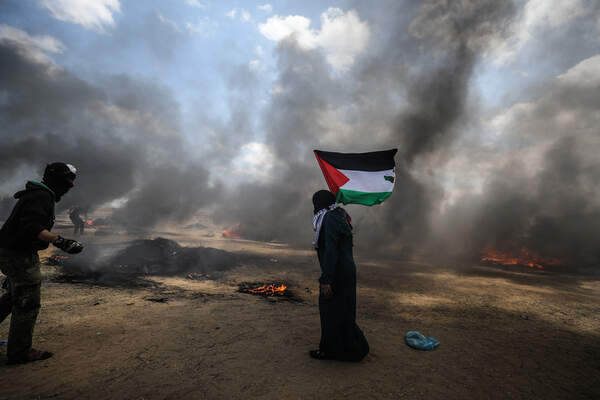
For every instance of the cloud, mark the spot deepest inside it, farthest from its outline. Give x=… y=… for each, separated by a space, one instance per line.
x=254 y=65
x=276 y=90
x=34 y=48
x=195 y=29
x=343 y=36
x=537 y=17
x=123 y=135
x=255 y=162
x=540 y=12
x=91 y=14
x=246 y=16
x=501 y=121
x=563 y=110
x=231 y=14
x=268 y=8
x=169 y=22
x=258 y=50
x=278 y=28
x=195 y=3
x=584 y=74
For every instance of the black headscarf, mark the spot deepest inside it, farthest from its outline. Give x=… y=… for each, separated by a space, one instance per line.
x=59 y=177
x=322 y=199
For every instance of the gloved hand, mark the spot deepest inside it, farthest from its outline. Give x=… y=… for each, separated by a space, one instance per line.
x=68 y=245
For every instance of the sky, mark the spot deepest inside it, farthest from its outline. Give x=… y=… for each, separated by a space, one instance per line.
x=175 y=107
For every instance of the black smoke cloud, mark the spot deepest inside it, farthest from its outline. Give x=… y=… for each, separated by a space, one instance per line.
x=538 y=189
x=536 y=186
x=439 y=51
x=122 y=134
x=279 y=209
x=542 y=198
x=412 y=91
x=432 y=81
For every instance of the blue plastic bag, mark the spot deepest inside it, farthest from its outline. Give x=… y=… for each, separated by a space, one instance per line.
x=418 y=341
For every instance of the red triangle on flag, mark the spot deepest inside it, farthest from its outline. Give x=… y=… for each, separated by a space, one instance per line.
x=334 y=178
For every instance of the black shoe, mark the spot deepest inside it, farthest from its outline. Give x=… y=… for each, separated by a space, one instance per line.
x=32 y=355
x=320 y=355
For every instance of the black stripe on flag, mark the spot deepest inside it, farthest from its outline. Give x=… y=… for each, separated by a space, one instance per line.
x=373 y=161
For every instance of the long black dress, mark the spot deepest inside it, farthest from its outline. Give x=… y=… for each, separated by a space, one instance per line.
x=340 y=336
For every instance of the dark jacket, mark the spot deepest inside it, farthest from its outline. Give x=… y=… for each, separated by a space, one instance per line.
x=33 y=213
x=335 y=248
x=74 y=214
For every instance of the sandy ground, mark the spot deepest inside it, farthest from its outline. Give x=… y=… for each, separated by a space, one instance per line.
x=505 y=333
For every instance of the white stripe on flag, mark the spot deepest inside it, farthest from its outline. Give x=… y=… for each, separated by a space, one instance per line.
x=368 y=181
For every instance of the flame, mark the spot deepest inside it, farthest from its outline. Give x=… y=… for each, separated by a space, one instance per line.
x=99 y=222
x=525 y=257
x=231 y=234
x=269 y=290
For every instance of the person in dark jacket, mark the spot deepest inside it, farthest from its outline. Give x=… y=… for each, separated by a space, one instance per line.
x=341 y=338
x=78 y=222
x=26 y=231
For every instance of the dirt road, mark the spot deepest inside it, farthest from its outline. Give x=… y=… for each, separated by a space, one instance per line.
x=505 y=333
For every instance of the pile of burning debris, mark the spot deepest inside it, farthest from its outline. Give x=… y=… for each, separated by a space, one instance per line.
x=234 y=233
x=271 y=290
x=102 y=226
x=160 y=257
x=524 y=257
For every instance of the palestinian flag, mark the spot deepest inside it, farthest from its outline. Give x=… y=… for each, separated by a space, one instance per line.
x=359 y=178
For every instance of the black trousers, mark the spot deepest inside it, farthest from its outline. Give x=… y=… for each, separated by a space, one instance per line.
x=79 y=224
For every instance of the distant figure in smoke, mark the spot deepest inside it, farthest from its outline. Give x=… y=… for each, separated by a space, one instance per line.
x=341 y=338
x=26 y=231
x=78 y=223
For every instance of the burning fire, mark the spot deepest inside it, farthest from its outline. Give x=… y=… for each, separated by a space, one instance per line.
x=525 y=257
x=99 y=222
x=233 y=233
x=269 y=290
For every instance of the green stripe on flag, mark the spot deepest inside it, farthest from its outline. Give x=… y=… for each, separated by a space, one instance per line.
x=367 y=199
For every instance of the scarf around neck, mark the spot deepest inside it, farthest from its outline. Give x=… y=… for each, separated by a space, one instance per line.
x=318 y=222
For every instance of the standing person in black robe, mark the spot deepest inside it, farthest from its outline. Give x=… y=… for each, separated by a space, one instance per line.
x=341 y=338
